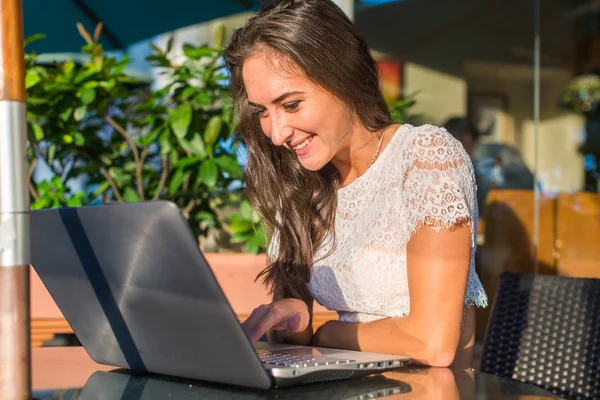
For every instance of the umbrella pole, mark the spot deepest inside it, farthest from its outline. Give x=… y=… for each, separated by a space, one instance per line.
x=15 y=351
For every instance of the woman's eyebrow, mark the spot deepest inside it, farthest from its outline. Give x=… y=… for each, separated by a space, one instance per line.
x=278 y=99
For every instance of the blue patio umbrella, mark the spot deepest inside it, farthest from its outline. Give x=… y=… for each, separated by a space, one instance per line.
x=125 y=21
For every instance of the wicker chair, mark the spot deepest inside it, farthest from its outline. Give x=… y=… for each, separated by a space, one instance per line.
x=545 y=330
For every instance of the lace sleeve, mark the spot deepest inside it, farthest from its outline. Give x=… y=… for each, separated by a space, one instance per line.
x=438 y=182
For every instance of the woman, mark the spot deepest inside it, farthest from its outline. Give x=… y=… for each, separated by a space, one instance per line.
x=362 y=211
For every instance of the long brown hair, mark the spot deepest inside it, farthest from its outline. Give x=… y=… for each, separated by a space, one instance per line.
x=297 y=205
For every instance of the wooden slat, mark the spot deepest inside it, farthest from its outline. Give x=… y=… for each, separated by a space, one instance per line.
x=12 y=63
x=578 y=235
x=43 y=330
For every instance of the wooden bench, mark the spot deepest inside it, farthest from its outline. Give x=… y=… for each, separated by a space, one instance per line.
x=46 y=319
x=577 y=244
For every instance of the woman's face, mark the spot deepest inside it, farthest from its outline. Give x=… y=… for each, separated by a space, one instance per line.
x=294 y=112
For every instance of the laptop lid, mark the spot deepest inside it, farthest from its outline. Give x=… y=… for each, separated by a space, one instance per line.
x=133 y=285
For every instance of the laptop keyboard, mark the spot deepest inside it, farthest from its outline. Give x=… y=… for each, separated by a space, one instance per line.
x=298 y=361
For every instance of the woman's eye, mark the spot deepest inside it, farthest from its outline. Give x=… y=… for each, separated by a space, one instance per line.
x=293 y=106
x=259 y=112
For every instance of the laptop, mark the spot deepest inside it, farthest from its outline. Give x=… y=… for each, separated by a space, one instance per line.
x=133 y=285
x=122 y=384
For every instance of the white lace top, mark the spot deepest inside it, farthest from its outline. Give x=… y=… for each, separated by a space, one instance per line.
x=423 y=177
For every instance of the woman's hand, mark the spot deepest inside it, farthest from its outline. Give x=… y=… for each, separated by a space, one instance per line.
x=290 y=314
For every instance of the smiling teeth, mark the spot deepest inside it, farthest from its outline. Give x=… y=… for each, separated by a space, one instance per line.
x=303 y=144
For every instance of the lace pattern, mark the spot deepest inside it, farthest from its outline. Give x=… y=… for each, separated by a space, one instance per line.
x=423 y=177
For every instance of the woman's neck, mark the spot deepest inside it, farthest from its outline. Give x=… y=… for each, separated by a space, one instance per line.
x=361 y=150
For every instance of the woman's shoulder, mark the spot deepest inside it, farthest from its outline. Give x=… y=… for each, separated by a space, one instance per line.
x=430 y=144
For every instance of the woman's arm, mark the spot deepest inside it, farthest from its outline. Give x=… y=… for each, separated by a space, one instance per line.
x=437 y=268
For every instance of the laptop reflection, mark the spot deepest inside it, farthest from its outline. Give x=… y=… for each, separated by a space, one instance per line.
x=123 y=384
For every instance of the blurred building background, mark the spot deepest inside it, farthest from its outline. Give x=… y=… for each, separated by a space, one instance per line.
x=537 y=164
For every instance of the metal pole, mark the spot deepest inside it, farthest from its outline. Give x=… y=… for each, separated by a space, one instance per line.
x=15 y=351
x=536 y=133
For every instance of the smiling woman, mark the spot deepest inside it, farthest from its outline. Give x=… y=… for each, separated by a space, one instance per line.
x=371 y=219
x=292 y=109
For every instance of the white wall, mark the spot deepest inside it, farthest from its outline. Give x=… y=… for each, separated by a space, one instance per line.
x=560 y=132
x=440 y=96
x=347 y=6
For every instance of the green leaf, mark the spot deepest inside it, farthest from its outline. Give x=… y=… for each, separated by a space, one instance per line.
x=203 y=99
x=87 y=95
x=241 y=237
x=38 y=132
x=209 y=173
x=68 y=67
x=57 y=183
x=129 y=166
x=87 y=73
x=103 y=187
x=197 y=145
x=165 y=145
x=150 y=137
x=246 y=210
x=32 y=77
x=213 y=129
x=44 y=186
x=206 y=218
x=108 y=85
x=91 y=84
x=79 y=138
x=67 y=139
x=158 y=60
x=187 y=161
x=156 y=49
x=79 y=113
x=33 y=38
x=36 y=100
x=196 y=53
x=121 y=65
x=240 y=226
x=39 y=204
x=180 y=120
x=185 y=145
x=255 y=244
x=130 y=196
x=186 y=93
x=173 y=156
x=121 y=177
x=51 y=153
x=75 y=200
x=66 y=114
x=177 y=180
x=230 y=165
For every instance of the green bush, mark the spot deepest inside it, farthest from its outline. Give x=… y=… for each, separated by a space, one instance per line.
x=92 y=123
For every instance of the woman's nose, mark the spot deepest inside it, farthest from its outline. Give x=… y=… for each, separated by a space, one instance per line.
x=280 y=131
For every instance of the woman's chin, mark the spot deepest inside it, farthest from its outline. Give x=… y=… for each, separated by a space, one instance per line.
x=311 y=163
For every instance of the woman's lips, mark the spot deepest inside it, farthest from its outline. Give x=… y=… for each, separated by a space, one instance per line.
x=304 y=147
